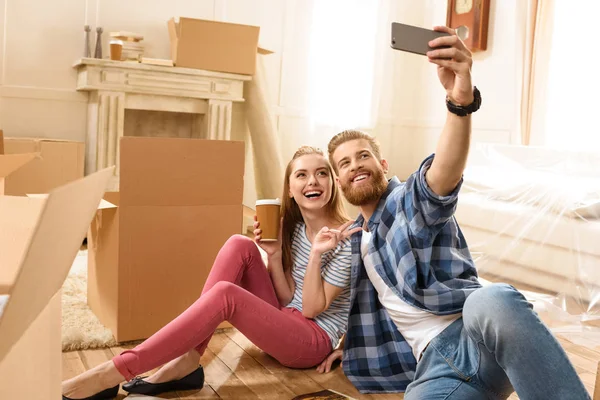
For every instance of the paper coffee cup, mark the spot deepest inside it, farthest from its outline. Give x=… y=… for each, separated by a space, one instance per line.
x=267 y=213
x=116 y=50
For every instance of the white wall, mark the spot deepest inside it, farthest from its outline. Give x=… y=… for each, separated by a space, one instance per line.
x=42 y=39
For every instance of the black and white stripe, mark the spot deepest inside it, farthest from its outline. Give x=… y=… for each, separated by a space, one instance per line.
x=335 y=270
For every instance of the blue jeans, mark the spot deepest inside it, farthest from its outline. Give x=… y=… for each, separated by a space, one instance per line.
x=498 y=346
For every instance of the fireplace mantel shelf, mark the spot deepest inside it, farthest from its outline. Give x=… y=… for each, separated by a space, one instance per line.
x=115 y=86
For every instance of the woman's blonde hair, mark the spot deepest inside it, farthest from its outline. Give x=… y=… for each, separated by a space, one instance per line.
x=291 y=211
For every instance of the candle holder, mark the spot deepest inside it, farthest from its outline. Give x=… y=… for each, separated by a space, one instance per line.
x=98 y=52
x=87 y=53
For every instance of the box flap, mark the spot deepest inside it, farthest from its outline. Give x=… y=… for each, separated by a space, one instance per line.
x=112 y=198
x=181 y=172
x=103 y=203
x=173 y=37
x=1 y=142
x=60 y=229
x=18 y=216
x=262 y=50
x=12 y=162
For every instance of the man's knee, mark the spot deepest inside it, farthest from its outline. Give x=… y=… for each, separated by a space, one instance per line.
x=498 y=302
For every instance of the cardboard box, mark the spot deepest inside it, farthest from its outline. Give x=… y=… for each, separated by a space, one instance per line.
x=150 y=254
x=597 y=385
x=39 y=240
x=214 y=46
x=10 y=164
x=60 y=162
x=1 y=142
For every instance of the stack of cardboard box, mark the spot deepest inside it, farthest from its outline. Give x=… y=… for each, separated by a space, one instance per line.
x=151 y=245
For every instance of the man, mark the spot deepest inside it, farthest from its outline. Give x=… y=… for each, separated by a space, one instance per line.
x=420 y=321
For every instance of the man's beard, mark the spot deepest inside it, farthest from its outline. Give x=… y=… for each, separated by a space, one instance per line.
x=358 y=196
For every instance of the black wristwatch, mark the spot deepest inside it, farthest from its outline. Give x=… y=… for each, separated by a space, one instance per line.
x=463 y=111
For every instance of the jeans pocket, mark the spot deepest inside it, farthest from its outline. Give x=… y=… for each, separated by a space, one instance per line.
x=459 y=351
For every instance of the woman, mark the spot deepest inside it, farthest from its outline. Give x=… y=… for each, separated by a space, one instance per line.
x=295 y=309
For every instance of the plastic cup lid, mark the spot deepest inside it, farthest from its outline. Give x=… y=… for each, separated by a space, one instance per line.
x=268 y=202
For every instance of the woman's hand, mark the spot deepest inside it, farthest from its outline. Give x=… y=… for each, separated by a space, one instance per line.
x=272 y=248
x=327 y=239
x=325 y=366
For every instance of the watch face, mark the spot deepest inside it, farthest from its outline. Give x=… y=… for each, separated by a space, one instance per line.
x=463 y=6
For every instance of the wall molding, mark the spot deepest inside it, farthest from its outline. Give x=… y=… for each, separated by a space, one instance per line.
x=39 y=93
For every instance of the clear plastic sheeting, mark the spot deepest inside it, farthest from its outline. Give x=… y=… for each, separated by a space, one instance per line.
x=531 y=217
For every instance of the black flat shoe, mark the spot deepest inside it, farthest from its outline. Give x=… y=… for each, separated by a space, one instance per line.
x=107 y=394
x=138 y=385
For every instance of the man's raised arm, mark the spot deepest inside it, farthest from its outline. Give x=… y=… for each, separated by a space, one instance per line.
x=454 y=71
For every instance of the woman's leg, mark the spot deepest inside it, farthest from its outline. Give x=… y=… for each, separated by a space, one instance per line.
x=285 y=335
x=238 y=262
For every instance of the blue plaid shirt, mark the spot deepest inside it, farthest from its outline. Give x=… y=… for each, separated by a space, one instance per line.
x=420 y=253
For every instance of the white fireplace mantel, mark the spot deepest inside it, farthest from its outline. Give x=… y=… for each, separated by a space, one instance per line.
x=115 y=86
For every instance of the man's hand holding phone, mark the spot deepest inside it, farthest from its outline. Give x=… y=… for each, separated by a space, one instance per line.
x=443 y=47
x=454 y=63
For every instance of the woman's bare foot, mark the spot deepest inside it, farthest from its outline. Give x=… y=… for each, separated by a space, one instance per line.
x=93 y=381
x=177 y=368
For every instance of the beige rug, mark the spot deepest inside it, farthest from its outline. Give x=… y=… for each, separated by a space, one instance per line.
x=81 y=329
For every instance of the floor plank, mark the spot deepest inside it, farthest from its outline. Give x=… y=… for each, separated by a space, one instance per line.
x=296 y=380
x=223 y=380
x=259 y=379
x=336 y=380
x=72 y=365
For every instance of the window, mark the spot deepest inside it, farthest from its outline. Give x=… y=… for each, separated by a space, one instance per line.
x=572 y=110
x=343 y=47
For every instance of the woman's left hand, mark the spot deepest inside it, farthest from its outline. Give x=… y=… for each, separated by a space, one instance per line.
x=327 y=239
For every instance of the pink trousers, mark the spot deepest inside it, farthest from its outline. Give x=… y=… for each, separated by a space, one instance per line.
x=238 y=290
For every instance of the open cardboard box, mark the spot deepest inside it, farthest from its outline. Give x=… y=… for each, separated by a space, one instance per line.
x=150 y=253
x=214 y=45
x=39 y=240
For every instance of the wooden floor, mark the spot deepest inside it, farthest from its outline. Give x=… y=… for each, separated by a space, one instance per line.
x=236 y=369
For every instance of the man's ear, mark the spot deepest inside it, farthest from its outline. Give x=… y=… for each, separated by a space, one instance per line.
x=337 y=181
x=385 y=166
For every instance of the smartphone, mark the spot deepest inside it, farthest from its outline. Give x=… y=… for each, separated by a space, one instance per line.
x=413 y=39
